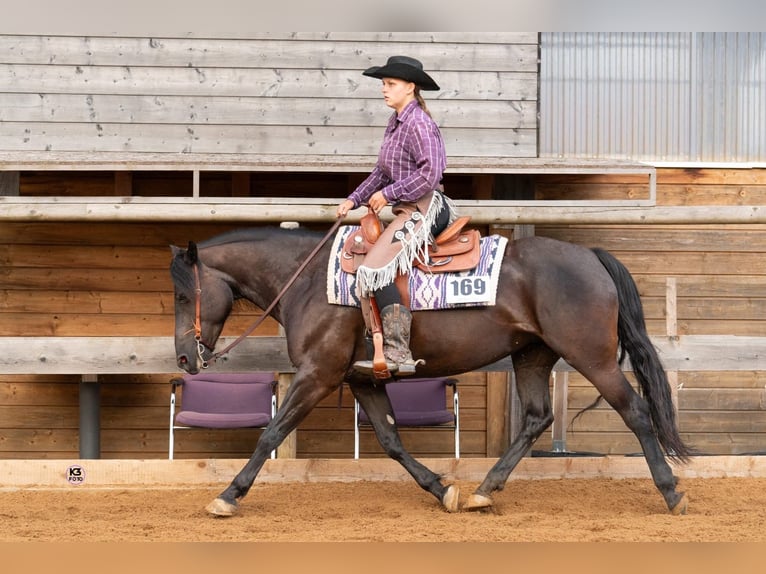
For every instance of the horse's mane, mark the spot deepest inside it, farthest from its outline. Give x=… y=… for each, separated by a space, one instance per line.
x=182 y=272
x=253 y=234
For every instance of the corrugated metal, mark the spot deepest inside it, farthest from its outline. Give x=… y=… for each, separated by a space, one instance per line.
x=675 y=97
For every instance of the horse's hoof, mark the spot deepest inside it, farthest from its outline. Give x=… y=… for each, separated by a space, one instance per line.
x=477 y=502
x=219 y=507
x=451 y=498
x=681 y=506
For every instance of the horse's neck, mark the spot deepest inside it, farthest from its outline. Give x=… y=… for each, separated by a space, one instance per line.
x=258 y=269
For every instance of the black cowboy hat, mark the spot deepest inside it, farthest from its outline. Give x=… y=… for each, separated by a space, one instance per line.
x=404 y=68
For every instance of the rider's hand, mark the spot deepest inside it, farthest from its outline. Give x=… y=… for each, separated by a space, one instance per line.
x=344 y=208
x=378 y=201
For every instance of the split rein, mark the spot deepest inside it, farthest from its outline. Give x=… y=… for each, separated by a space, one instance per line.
x=201 y=345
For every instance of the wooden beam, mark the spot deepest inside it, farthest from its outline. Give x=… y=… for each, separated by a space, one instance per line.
x=202 y=472
x=116 y=355
x=308 y=210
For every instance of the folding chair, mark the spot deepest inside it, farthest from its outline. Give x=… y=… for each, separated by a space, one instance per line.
x=418 y=403
x=223 y=401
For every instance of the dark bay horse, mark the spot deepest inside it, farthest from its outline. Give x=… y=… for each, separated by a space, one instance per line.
x=554 y=300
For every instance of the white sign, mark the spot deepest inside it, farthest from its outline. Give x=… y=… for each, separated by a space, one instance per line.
x=468 y=290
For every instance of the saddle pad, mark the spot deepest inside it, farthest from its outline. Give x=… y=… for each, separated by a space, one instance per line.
x=428 y=291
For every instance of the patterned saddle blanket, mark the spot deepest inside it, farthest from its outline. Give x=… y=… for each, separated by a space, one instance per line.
x=428 y=291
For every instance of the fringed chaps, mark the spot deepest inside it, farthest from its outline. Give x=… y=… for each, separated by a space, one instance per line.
x=404 y=240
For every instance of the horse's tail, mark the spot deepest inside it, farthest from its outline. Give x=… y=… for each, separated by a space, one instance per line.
x=653 y=382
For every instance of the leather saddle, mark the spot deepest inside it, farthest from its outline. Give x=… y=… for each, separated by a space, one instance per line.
x=454 y=249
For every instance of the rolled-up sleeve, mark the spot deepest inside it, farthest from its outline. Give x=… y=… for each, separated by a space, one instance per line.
x=375 y=181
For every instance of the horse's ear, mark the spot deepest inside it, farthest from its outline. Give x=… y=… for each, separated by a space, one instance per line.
x=191 y=257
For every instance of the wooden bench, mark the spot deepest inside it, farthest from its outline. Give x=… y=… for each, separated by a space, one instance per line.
x=196 y=164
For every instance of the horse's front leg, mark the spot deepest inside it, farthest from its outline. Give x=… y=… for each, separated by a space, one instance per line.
x=302 y=396
x=374 y=400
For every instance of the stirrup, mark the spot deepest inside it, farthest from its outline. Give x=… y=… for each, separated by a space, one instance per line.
x=408 y=368
x=368 y=368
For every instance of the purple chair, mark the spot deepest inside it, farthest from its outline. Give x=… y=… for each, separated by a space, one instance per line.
x=223 y=401
x=418 y=403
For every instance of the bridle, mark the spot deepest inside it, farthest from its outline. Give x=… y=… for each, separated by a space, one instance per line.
x=197 y=327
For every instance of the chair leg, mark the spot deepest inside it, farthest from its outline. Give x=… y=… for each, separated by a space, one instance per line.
x=456 y=406
x=172 y=417
x=356 y=429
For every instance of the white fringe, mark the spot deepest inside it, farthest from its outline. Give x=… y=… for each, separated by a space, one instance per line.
x=416 y=247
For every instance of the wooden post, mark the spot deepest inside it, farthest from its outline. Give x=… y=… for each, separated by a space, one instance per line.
x=289 y=446
x=671 y=328
x=9 y=183
x=195 y=183
x=498 y=431
x=560 y=409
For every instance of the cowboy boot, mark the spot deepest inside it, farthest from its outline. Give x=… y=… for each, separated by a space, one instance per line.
x=396 y=321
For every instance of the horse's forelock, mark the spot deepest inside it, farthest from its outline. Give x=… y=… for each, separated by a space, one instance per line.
x=181 y=272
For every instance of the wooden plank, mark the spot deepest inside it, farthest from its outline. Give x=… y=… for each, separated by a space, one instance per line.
x=707 y=421
x=91 y=256
x=686 y=239
x=21 y=301
x=751 y=328
x=78 y=355
x=147 y=161
x=109 y=325
x=713 y=399
x=713 y=195
x=236 y=110
x=458 y=37
x=139 y=280
x=131 y=354
x=677 y=264
x=275 y=210
x=710 y=176
x=724 y=309
x=105 y=233
x=251 y=82
x=719 y=286
x=723 y=379
x=250 y=139
x=109 y=473
x=454 y=52
x=13 y=418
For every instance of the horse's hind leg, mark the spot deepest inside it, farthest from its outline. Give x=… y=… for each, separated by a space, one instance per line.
x=533 y=367
x=634 y=410
x=374 y=400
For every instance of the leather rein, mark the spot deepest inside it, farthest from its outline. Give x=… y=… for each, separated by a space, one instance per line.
x=201 y=345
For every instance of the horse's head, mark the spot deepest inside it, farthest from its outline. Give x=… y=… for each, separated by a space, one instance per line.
x=203 y=301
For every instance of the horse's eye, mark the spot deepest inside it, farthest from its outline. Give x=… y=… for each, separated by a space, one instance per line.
x=181 y=298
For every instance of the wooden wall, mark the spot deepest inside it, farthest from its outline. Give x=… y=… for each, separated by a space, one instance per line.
x=274 y=93
x=720 y=272
x=112 y=279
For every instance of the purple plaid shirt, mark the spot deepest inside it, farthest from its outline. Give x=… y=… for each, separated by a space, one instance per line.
x=411 y=160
